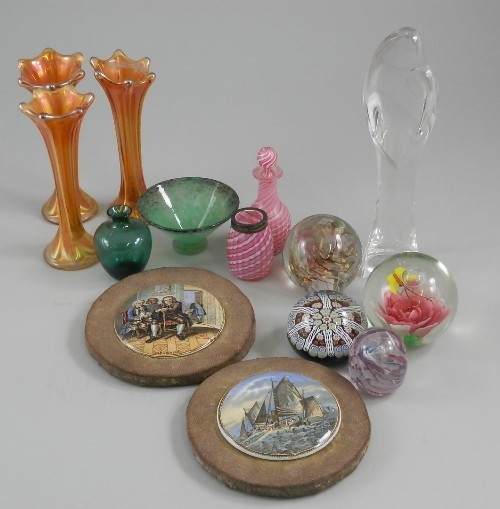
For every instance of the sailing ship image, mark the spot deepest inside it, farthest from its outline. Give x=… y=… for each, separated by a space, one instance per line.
x=286 y=422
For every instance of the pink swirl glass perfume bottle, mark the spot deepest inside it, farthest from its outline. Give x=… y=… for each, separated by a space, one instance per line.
x=250 y=244
x=268 y=173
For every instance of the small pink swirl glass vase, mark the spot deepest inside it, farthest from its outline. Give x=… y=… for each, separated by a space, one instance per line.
x=126 y=83
x=268 y=173
x=250 y=244
x=51 y=70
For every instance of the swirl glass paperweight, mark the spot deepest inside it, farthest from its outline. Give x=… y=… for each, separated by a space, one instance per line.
x=400 y=96
x=377 y=362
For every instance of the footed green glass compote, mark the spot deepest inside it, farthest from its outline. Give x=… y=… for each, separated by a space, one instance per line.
x=188 y=209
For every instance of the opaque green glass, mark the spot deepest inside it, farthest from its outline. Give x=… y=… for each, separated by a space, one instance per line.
x=123 y=244
x=188 y=209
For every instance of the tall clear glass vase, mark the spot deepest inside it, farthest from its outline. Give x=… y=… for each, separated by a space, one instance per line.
x=400 y=96
x=58 y=115
x=126 y=83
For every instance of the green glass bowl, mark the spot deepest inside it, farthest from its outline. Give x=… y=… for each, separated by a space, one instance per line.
x=188 y=209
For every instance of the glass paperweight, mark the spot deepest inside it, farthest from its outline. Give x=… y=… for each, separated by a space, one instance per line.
x=268 y=173
x=324 y=325
x=322 y=252
x=377 y=362
x=250 y=247
x=401 y=97
x=412 y=295
x=123 y=244
x=188 y=209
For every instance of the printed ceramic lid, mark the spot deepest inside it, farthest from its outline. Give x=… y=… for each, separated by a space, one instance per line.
x=278 y=427
x=170 y=326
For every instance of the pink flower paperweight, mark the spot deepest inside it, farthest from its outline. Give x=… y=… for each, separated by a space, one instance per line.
x=412 y=295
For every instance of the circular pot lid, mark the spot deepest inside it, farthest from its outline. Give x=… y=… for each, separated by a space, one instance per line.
x=278 y=427
x=170 y=326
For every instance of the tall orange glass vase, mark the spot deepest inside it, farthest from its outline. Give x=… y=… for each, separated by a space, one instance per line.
x=49 y=71
x=126 y=83
x=58 y=115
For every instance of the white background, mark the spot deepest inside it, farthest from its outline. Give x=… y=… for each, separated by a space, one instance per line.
x=232 y=77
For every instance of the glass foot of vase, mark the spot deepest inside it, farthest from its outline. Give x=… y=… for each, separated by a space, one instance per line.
x=88 y=208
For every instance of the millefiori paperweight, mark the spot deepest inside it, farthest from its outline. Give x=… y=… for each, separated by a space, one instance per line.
x=268 y=173
x=250 y=247
x=412 y=295
x=377 y=362
x=401 y=97
x=324 y=325
x=322 y=252
x=188 y=209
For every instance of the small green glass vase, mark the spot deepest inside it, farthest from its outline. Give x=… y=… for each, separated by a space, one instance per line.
x=123 y=245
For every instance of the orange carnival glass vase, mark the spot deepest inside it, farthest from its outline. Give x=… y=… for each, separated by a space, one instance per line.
x=58 y=115
x=126 y=83
x=49 y=71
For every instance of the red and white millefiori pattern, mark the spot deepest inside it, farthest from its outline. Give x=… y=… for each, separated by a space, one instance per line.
x=250 y=255
x=268 y=173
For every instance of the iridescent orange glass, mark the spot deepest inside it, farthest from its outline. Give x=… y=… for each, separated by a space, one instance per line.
x=126 y=83
x=49 y=71
x=58 y=115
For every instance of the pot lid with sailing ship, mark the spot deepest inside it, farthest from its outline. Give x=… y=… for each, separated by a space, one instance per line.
x=279 y=416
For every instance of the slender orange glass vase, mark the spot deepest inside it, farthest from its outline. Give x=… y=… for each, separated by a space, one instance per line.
x=49 y=71
x=126 y=83
x=58 y=115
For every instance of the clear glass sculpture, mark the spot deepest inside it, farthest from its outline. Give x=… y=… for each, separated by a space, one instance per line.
x=126 y=83
x=400 y=96
x=51 y=70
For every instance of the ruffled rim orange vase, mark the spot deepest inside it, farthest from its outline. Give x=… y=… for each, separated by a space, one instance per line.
x=51 y=70
x=126 y=83
x=58 y=114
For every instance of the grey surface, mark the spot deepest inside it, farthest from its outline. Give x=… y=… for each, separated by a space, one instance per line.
x=233 y=76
